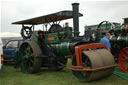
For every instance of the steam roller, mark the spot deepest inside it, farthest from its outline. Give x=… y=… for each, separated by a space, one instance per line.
x=51 y=47
x=92 y=62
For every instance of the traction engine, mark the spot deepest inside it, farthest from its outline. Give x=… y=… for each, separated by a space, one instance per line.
x=52 y=46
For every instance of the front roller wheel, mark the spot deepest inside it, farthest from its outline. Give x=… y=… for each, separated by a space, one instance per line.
x=81 y=76
x=30 y=61
x=94 y=59
x=123 y=59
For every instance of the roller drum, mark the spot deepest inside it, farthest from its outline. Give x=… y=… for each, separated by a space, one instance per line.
x=95 y=59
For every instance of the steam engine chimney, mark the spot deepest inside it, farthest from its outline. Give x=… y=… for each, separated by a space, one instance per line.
x=75 y=7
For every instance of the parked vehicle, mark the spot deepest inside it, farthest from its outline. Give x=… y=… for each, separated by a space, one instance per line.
x=1 y=56
x=10 y=48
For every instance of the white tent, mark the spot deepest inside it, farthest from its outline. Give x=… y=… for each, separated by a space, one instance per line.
x=9 y=34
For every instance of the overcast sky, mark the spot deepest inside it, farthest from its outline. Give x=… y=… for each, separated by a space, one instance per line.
x=94 y=11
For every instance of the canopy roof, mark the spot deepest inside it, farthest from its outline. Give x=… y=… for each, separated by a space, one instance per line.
x=62 y=15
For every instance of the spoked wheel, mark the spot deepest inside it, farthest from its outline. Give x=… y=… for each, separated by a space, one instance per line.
x=30 y=61
x=123 y=59
x=61 y=62
x=94 y=59
x=58 y=63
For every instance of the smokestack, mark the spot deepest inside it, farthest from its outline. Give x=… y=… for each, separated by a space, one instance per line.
x=75 y=7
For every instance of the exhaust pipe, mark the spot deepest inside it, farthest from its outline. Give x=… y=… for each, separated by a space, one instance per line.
x=75 y=7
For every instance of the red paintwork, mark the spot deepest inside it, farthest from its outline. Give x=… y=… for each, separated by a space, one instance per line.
x=51 y=38
x=123 y=59
x=78 y=52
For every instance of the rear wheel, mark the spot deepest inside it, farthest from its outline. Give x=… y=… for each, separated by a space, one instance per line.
x=30 y=61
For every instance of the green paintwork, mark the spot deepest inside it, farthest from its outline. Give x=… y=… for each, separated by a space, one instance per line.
x=57 y=40
x=63 y=48
x=52 y=38
x=66 y=32
x=121 y=38
x=103 y=26
x=119 y=33
x=61 y=33
x=98 y=35
x=34 y=38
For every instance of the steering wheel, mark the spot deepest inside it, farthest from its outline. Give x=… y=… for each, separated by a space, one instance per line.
x=106 y=23
x=26 y=32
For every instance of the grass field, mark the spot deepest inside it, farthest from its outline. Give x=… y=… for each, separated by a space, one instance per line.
x=12 y=76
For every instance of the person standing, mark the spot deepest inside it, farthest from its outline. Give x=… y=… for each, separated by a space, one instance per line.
x=106 y=40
